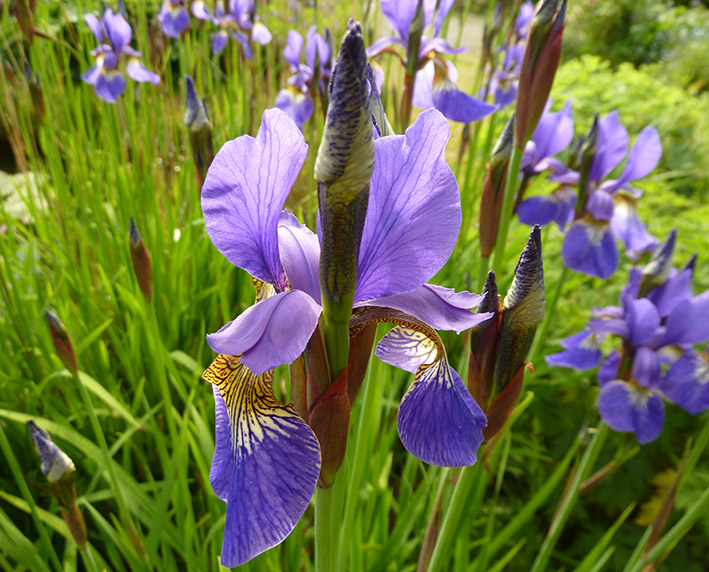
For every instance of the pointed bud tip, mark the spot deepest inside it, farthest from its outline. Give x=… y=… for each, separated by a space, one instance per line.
x=55 y=324
x=133 y=233
x=528 y=284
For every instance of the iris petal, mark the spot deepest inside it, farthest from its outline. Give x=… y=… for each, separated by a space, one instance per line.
x=270 y=333
x=242 y=199
x=636 y=410
x=589 y=247
x=687 y=382
x=413 y=215
x=266 y=461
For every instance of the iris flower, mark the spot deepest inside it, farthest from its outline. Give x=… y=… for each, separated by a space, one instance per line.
x=113 y=34
x=174 y=17
x=297 y=99
x=658 y=322
x=239 y=23
x=267 y=459
x=434 y=76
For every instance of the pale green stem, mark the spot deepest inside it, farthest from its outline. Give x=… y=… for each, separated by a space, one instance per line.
x=540 y=338
x=508 y=201
x=323 y=529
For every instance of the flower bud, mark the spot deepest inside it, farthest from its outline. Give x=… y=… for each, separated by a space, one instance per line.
x=343 y=170
x=62 y=341
x=142 y=267
x=197 y=120
x=379 y=117
x=494 y=191
x=58 y=467
x=539 y=64
x=657 y=270
x=585 y=156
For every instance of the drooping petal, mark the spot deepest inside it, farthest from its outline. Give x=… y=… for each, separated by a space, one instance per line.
x=300 y=255
x=200 y=11
x=688 y=322
x=457 y=105
x=414 y=213
x=627 y=226
x=293 y=48
x=539 y=210
x=382 y=44
x=441 y=308
x=589 y=247
x=138 y=72
x=439 y=422
x=406 y=348
x=298 y=105
x=220 y=41
x=581 y=352
x=438 y=45
x=91 y=76
x=266 y=461
x=270 y=333
x=173 y=21
x=687 y=382
x=600 y=204
x=242 y=200
x=632 y=409
x=110 y=85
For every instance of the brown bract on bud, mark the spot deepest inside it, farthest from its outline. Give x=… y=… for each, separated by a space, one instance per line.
x=539 y=64
x=197 y=120
x=142 y=266
x=61 y=341
x=494 y=191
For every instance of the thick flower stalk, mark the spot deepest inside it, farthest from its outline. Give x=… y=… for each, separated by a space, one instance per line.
x=200 y=129
x=658 y=324
x=412 y=220
x=307 y=79
x=499 y=345
x=113 y=35
x=430 y=78
x=58 y=467
x=602 y=210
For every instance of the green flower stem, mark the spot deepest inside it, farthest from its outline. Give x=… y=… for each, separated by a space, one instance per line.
x=508 y=202
x=482 y=272
x=540 y=338
x=568 y=501
x=323 y=529
x=459 y=501
x=337 y=342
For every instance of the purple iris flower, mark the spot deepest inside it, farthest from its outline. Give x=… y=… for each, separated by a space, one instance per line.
x=174 y=17
x=435 y=77
x=296 y=100
x=267 y=459
x=658 y=319
x=239 y=24
x=113 y=34
x=609 y=211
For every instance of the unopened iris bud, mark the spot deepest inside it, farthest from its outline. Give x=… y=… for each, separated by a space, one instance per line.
x=58 y=467
x=142 y=266
x=539 y=64
x=523 y=311
x=415 y=34
x=343 y=170
x=62 y=341
x=499 y=346
x=494 y=191
x=585 y=156
x=657 y=270
x=197 y=120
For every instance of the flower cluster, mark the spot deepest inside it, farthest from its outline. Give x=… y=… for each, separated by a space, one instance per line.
x=113 y=34
x=307 y=79
x=236 y=20
x=430 y=77
x=602 y=210
x=658 y=322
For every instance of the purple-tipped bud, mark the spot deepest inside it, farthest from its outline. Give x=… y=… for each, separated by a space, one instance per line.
x=197 y=120
x=585 y=156
x=142 y=266
x=494 y=191
x=62 y=341
x=58 y=467
x=539 y=64
x=657 y=270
